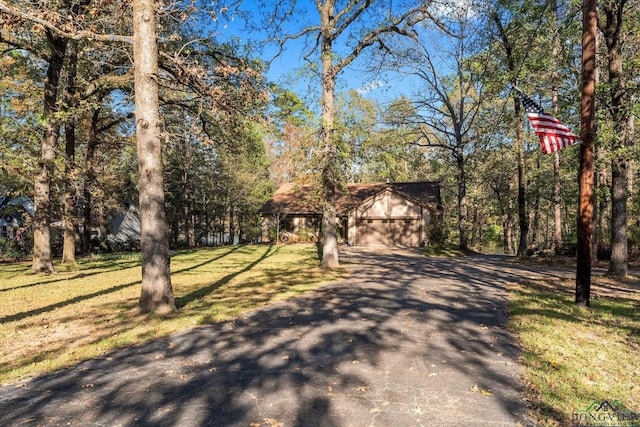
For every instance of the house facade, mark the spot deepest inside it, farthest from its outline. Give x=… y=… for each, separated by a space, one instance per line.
x=396 y=214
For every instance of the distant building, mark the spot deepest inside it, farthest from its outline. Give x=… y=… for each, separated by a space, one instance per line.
x=12 y=215
x=369 y=214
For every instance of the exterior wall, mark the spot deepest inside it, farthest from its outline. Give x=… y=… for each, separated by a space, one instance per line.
x=268 y=221
x=384 y=219
x=426 y=219
x=305 y=227
x=387 y=219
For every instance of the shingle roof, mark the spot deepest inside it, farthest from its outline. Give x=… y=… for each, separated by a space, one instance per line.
x=307 y=199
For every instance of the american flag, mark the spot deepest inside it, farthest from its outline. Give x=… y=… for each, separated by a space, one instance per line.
x=553 y=134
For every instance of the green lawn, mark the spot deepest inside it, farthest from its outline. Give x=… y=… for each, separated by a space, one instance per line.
x=576 y=356
x=49 y=322
x=573 y=356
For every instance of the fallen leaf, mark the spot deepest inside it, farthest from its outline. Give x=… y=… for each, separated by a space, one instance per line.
x=432 y=374
x=355 y=362
x=362 y=388
x=486 y=393
x=90 y=385
x=475 y=388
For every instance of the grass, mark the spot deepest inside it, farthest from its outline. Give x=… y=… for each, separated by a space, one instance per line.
x=83 y=311
x=574 y=355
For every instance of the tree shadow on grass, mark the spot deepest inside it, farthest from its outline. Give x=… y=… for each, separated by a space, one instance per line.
x=113 y=266
x=354 y=353
x=74 y=300
x=204 y=291
x=84 y=297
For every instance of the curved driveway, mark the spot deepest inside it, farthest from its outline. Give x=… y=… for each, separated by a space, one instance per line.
x=405 y=341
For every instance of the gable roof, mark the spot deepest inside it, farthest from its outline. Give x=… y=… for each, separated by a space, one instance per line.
x=307 y=199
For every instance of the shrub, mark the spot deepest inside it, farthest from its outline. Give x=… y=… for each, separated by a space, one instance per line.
x=437 y=232
x=12 y=250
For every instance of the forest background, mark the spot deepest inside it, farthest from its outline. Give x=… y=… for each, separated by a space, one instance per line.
x=241 y=99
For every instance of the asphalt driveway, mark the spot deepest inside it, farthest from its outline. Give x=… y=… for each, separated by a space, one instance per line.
x=406 y=341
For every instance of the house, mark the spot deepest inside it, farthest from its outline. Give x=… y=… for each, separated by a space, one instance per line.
x=125 y=230
x=12 y=215
x=369 y=214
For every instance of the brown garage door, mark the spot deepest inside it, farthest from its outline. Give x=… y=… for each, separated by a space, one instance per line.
x=401 y=232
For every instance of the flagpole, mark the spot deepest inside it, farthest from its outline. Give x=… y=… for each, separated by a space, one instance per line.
x=587 y=149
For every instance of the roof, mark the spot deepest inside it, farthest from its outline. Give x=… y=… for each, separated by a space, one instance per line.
x=307 y=199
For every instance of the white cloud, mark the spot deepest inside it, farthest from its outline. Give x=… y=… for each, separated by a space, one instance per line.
x=455 y=8
x=371 y=86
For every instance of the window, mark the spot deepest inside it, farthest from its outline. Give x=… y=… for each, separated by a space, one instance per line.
x=369 y=221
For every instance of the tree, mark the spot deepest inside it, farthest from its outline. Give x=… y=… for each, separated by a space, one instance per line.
x=447 y=104
x=618 y=108
x=587 y=148
x=523 y=220
x=157 y=292
x=42 y=262
x=341 y=36
x=44 y=30
x=69 y=214
x=557 y=206
x=290 y=138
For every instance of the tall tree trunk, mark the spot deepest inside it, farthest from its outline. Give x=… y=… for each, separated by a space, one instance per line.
x=523 y=217
x=157 y=292
x=462 y=199
x=232 y=227
x=69 y=212
x=557 y=194
x=619 y=251
x=613 y=11
x=476 y=225
x=587 y=149
x=510 y=222
x=42 y=262
x=507 y=235
x=189 y=226
x=601 y=208
x=535 y=222
x=557 y=204
x=330 y=258
x=89 y=178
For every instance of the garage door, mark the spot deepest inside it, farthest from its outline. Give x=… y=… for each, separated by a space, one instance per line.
x=401 y=232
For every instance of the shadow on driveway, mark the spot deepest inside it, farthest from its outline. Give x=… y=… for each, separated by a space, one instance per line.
x=405 y=341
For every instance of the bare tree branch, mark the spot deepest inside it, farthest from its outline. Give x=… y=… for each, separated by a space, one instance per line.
x=71 y=35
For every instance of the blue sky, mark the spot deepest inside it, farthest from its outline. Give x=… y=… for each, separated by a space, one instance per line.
x=289 y=64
